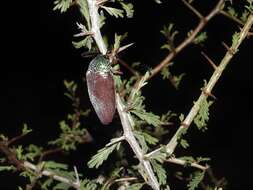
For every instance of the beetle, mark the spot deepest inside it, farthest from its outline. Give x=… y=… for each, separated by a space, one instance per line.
x=101 y=88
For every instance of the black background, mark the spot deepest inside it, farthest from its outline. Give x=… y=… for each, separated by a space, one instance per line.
x=42 y=56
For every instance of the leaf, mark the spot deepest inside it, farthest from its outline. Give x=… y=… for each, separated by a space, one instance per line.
x=142 y=142
x=177 y=80
x=47 y=183
x=235 y=38
x=196 y=179
x=169 y=33
x=61 y=186
x=85 y=12
x=113 y=11
x=20 y=188
x=165 y=72
x=231 y=11
x=33 y=151
x=184 y=143
x=62 y=5
x=103 y=155
x=244 y=16
x=203 y=115
x=159 y=156
x=181 y=117
x=160 y=172
x=86 y=43
x=202 y=159
x=87 y=184
x=149 y=117
x=25 y=129
x=7 y=168
x=19 y=152
x=136 y=186
x=128 y=7
x=200 y=38
x=52 y=165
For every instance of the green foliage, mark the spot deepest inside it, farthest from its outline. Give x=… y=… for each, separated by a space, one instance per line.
x=169 y=34
x=69 y=136
x=113 y=11
x=85 y=43
x=244 y=16
x=62 y=5
x=87 y=184
x=103 y=153
x=159 y=156
x=249 y=7
x=7 y=168
x=145 y=138
x=235 y=39
x=165 y=73
x=232 y=12
x=182 y=142
x=195 y=180
x=200 y=38
x=160 y=172
x=128 y=7
x=83 y=7
x=33 y=151
x=136 y=186
x=202 y=117
x=25 y=129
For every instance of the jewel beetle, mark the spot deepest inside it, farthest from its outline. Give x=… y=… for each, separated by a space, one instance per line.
x=101 y=88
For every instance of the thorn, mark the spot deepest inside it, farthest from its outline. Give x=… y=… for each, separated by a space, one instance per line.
x=124 y=47
x=209 y=60
x=230 y=51
x=208 y=94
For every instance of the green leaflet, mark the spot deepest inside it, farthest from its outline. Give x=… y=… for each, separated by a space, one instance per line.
x=103 y=154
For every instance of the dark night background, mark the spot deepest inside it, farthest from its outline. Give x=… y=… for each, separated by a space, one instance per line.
x=32 y=83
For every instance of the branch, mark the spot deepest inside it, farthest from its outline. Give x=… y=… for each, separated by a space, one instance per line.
x=202 y=23
x=127 y=124
x=27 y=166
x=184 y=163
x=125 y=117
x=170 y=147
x=93 y=11
x=224 y=13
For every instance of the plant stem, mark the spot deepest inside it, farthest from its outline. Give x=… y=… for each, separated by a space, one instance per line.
x=213 y=80
x=202 y=23
x=95 y=28
x=26 y=166
x=129 y=136
x=125 y=117
x=183 y=163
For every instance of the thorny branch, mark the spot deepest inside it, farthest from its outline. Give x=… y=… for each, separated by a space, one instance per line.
x=202 y=23
x=170 y=147
x=26 y=166
x=125 y=117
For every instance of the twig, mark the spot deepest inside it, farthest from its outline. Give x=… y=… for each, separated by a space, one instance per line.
x=128 y=67
x=184 y=163
x=126 y=121
x=224 y=13
x=195 y=11
x=93 y=11
x=209 y=60
x=125 y=179
x=170 y=147
x=202 y=23
x=26 y=166
x=14 y=139
x=125 y=117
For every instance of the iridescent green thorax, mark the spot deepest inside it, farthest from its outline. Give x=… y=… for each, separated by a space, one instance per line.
x=100 y=64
